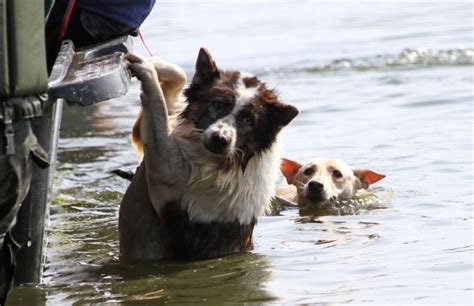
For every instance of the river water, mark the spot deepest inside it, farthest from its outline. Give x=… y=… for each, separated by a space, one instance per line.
x=386 y=86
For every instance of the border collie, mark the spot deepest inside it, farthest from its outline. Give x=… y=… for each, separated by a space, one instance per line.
x=207 y=173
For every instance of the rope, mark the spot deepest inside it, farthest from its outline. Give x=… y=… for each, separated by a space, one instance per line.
x=65 y=21
x=144 y=43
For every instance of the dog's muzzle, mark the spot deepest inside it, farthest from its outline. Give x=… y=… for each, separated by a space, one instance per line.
x=219 y=139
x=217 y=144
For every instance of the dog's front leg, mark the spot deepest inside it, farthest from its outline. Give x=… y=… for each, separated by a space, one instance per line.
x=162 y=156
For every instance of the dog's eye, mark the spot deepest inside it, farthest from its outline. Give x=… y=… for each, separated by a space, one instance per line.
x=220 y=106
x=309 y=171
x=337 y=174
x=245 y=119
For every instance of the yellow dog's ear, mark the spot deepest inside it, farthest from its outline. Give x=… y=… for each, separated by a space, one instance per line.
x=289 y=168
x=367 y=177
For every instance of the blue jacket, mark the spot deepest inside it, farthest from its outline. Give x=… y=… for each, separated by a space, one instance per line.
x=127 y=12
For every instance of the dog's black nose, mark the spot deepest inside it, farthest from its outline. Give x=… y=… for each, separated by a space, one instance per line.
x=217 y=143
x=315 y=192
x=314 y=186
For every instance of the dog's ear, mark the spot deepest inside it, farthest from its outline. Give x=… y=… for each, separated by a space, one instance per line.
x=289 y=168
x=282 y=113
x=206 y=68
x=367 y=177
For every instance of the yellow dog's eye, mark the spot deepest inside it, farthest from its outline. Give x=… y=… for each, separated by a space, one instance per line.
x=337 y=174
x=308 y=171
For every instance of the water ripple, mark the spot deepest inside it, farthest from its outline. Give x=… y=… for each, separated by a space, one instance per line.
x=407 y=59
x=439 y=102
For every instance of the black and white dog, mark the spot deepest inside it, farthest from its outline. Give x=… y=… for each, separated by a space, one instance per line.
x=208 y=172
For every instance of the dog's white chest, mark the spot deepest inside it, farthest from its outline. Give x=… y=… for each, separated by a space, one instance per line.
x=232 y=195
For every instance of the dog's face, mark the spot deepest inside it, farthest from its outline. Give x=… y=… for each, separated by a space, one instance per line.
x=324 y=179
x=238 y=115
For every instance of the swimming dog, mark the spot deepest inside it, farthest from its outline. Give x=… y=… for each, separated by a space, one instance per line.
x=323 y=180
x=207 y=173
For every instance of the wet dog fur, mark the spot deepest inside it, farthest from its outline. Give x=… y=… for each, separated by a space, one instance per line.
x=207 y=173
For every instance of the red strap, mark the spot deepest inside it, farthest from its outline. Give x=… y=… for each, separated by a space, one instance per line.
x=144 y=43
x=65 y=21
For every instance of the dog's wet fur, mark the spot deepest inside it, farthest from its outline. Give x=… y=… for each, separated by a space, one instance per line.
x=208 y=173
